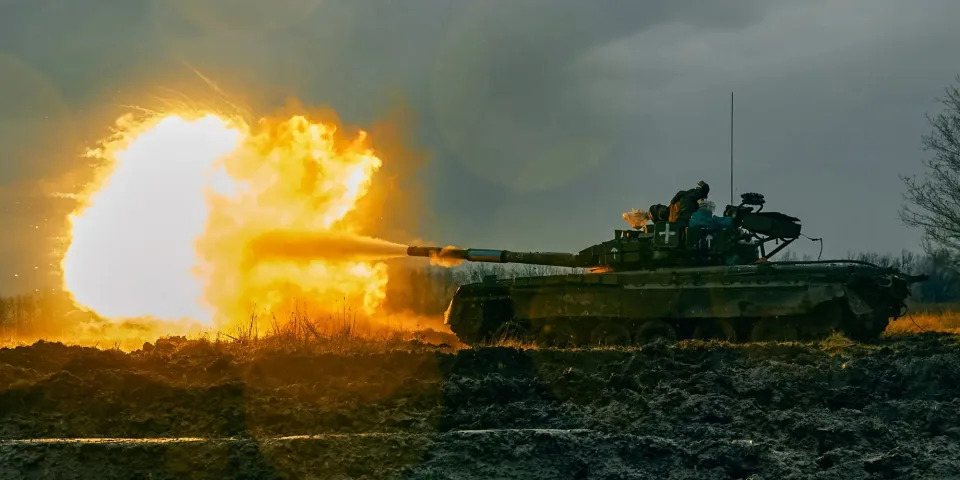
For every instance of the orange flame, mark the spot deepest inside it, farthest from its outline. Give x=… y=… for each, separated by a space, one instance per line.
x=296 y=175
x=299 y=246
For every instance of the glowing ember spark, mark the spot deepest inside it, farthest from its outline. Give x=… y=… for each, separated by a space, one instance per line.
x=163 y=229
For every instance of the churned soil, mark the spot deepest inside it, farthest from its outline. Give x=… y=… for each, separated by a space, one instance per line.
x=190 y=409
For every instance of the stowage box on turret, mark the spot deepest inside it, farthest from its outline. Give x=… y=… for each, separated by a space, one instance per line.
x=672 y=281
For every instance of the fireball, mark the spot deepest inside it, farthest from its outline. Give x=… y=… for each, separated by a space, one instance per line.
x=164 y=232
x=130 y=253
x=294 y=175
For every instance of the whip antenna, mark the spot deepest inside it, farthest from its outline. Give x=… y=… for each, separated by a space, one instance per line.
x=731 y=148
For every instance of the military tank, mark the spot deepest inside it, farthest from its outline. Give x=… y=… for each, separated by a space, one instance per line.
x=666 y=280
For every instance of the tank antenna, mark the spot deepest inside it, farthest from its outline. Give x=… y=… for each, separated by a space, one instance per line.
x=731 y=148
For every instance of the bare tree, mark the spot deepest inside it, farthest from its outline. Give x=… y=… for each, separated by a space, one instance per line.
x=934 y=199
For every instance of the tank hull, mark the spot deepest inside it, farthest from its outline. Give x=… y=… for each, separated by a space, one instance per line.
x=774 y=301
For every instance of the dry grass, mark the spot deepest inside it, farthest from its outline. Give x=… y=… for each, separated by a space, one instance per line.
x=343 y=335
x=296 y=332
x=943 y=321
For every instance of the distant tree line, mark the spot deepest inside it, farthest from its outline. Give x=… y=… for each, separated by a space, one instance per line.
x=33 y=312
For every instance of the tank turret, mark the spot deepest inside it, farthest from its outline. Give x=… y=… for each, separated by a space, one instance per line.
x=659 y=244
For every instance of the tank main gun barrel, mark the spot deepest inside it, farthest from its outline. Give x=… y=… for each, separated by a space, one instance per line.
x=497 y=256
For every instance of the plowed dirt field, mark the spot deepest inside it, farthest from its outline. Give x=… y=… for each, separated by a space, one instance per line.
x=691 y=410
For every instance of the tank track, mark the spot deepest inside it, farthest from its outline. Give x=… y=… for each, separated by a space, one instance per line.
x=598 y=331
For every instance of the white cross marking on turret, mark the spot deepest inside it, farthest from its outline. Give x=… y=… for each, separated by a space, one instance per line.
x=667 y=234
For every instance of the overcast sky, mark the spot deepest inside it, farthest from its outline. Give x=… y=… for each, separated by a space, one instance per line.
x=544 y=120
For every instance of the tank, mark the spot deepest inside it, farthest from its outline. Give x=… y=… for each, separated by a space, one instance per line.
x=671 y=281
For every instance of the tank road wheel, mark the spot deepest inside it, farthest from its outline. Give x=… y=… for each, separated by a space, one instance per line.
x=558 y=335
x=772 y=329
x=820 y=322
x=652 y=331
x=716 y=329
x=609 y=333
x=864 y=328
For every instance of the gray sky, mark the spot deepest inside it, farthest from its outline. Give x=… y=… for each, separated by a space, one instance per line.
x=544 y=120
